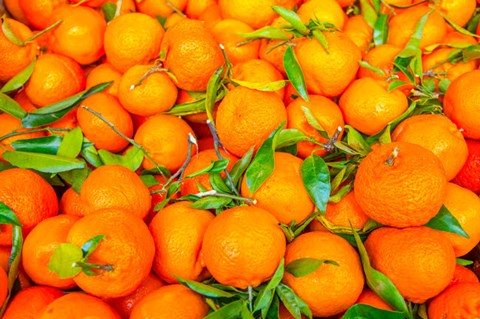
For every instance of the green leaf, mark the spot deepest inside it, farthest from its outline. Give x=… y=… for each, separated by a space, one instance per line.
x=204 y=289
x=322 y=39
x=241 y=166
x=212 y=88
x=464 y=262
x=7 y=216
x=385 y=137
x=316 y=178
x=267 y=32
x=90 y=154
x=445 y=221
x=51 y=113
x=368 y=13
x=289 y=137
x=294 y=304
x=149 y=180
x=292 y=18
x=211 y=202
x=75 y=177
x=19 y=80
x=108 y=10
x=63 y=260
x=363 y=311
x=294 y=72
x=380 y=29
x=215 y=167
x=45 y=145
x=218 y=183
x=443 y=84
x=395 y=85
x=42 y=162
x=413 y=44
x=10 y=106
x=372 y=68
x=272 y=312
x=356 y=141
x=9 y=34
x=132 y=159
x=304 y=266
x=89 y=247
x=471 y=53
x=72 y=143
x=265 y=297
x=472 y=25
x=312 y=121
x=264 y=86
x=232 y=310
x=378 y=282
x=456 y=27
x=263 y=164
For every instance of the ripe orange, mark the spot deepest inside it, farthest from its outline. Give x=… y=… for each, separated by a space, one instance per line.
x=70 y=203
x=191 y=54
x=328 y=73
x=458 y=11
x=418 y=260
x=115 y=186
x=368 y=106
x=195 y=8
x=77 y=305
x=172 y=301
x=469 y=175
x=463 y=274
x=14 y=58
x=128 y=247
x=325 y=111
x=178 y=231
x=325 y=11
x=39 y=246
x=400 y=188
x=98 y=131
x=22 y=99
x=132 y=38
x=246 y=118
x=104 y=73
x=165 y=138
x=54 y=78
x=359 y=31
x=30 y=302
x=330 y=289
x=368 y=297
x=459 y=301
x=211 y=15
x=459 y=104
x=148 y=95
x=160 y=8
x=283 y=193
x=243 y=246
x=30 y=197
x=38 y=12
x=13 y=7
x=200 y=161
x=80 y=35
x=438 y=134
x=346 y=212
x=3 y=285
x=381 y=57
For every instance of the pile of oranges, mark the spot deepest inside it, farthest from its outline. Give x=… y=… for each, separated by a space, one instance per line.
x=239 y=159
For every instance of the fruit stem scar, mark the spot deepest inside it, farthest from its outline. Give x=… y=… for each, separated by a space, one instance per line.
x=391 y=159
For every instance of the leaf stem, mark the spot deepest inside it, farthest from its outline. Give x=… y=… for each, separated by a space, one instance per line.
x=44 y=129
x=234 y=197
x=250 y=298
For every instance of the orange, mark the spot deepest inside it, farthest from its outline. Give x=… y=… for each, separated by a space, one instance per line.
x=368 y=106
x=227 y=32
x=165 y=138
x=104 y=73
x=13 y=7
x=272 y=52
x=54 y=78
x=97 y=130
x=243 y=246
x=38 y=249
x=3 y=285
x=381 y=57
x=469 y=175
x=148 y=95
x=70 y=203
x=80 y=35
x=418 y=260
x=330 y=289
x=30 y=197
x=124 y=305
x=22 y=99
x=160 y=8
x=345 y=3
x=29 y=303
x=38 y=12
x=257 y=71
x=211 y=15
x=463 y=274
x=195 y=8
x=14 y=58
x=172 y=301
x=438 y=134
x=465 y=207
x=132 y=38
x=172 y=19
x=402 y=26
x=200 y=161
x=191 y=54
x=283 y=193
x=459 y=301
x=325 y=111
x=457 y=11
x=400 y=184
x=368 y=297
x=178 y=231
x=328 y=73
x=325 y=11
x=128 y=247
x=246 y=118
x=115 y=186
x=459 y=104
x=77 y=305
x=359 y=31
x=346 y=212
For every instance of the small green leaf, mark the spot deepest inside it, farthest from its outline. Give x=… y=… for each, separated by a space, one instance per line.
x=108 y=10
x=71 y=144
x=267 y=32
x=212 y=88
x=90 y=154
x=75 y=177
x=42 y=162
x=316 y=178
x=395 y=85
x=9 y=34
x=63 y=260
x=445 y=221
x=322 y=39
x=464 y=262
x=294 y=304
x=89 y=247
x=149 y=180
x=265 y=297
x=204 y=289
x=356 y=140
x=272 y=312
x=363 y=311
x=232 y=310
x=240 y=167
x=472 y=25
x=372 y=68
x=413 y=45
x=215 y=167
x=368 y=13
x=19 y=80
x=292 y=18
x=263 y=164
x=312 y=121
x=471 y=53
x=132 y=159
x=45 y=145
x=289 y=137
x=443 y=84
x=380 y=29
x=305 y=266
x=10 y=106
x=385 y=137
x=218 y=183
x=7 y=216
x=245 y=312
x=211 y=202
x=456 y=27
x=294 y=72
x=264 y=86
